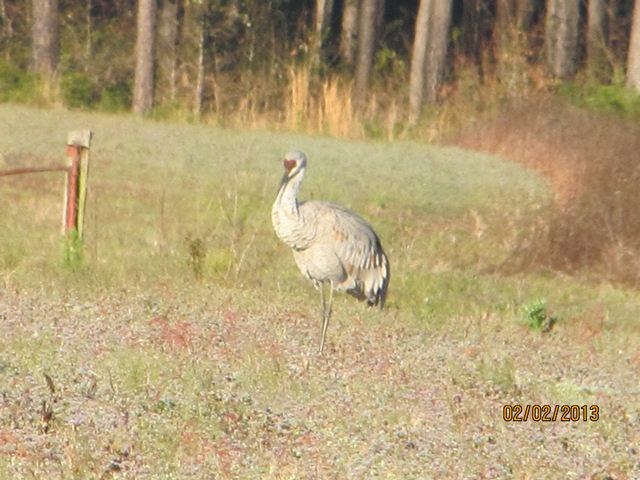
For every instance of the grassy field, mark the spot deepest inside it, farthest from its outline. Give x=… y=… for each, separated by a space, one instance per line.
x=183 y=343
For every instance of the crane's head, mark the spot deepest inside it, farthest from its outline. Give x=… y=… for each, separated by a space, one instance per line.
x=295 y=161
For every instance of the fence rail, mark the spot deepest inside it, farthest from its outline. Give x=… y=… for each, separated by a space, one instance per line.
x=75 y=191
x=20 y=171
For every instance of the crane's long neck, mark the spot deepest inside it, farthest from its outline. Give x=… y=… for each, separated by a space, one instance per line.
x=288 y=221
x=287 y=199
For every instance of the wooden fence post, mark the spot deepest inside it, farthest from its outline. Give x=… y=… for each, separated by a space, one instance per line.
x=78 y=143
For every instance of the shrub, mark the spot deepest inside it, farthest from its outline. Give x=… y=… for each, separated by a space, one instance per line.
x=616 y=99
x=590 y=160
x=17 y=85
x=116 y=97
x=78 y=91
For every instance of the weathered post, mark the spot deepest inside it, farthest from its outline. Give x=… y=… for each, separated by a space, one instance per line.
x=71 y=195
x=78 y=143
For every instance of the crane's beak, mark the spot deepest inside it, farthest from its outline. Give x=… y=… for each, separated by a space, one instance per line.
x=285 y=179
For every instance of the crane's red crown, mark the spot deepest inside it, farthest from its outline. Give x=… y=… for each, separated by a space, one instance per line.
x=289 y=165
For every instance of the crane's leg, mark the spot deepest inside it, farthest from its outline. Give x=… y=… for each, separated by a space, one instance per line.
x=326 y=312
x=323 y=305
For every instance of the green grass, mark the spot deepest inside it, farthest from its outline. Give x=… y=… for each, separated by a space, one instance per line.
x=158 y=188
x=617 y=98
x=184 y=345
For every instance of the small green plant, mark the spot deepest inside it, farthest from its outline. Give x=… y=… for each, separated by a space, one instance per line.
x=197 y=254
x=538 y=317
x=72 y=251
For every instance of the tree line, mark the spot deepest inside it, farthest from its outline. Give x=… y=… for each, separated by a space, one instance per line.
x=206 y=55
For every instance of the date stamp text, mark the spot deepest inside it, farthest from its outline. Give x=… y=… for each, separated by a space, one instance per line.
x=550 y=413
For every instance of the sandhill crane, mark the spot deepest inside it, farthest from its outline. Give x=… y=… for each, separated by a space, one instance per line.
x=330 y=243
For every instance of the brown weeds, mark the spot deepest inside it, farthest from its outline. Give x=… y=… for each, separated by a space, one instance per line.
x=593 y=163
x=324 y=105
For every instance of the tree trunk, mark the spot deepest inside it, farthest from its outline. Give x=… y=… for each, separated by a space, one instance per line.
x=5 y=30
x=438 y=42
x=322 y=22
x=633 y=64
x=470 y=29
x=348 y=34
x=89 y=45
x=143 y=81
x=366 y=50
x=561 y=37
x=418 y=58
x=524 y=14
x=506 y=11
x=597 y=39
x=45 y=36
x=3 y=18
x=167 y=48
x=199 y=93
x=380 y=18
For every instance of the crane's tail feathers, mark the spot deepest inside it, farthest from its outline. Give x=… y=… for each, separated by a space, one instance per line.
x=385 y=282
x=376 y=281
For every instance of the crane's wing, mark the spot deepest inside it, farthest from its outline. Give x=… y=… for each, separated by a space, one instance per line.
x=357 y=247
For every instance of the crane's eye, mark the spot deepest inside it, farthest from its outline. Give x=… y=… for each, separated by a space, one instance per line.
x=289 y=165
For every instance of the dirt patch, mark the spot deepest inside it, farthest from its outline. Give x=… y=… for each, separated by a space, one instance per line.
x=593 y=163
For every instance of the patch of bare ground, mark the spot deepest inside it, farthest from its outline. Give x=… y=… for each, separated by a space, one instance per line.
x=593 y=163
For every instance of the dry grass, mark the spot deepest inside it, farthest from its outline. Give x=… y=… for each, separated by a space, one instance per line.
x=592 y=163
x=298 y=101
x=325 y=106
x=330 y=111
x=299 y=98
x=336 y=115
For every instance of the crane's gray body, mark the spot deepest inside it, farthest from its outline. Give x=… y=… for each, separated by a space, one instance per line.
x=330 y=243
